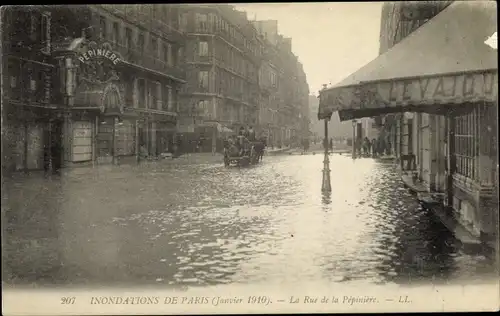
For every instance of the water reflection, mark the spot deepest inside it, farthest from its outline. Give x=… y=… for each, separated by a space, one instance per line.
x=326 y=184
x=326 y=197
x=34 y=211
x=206 y=224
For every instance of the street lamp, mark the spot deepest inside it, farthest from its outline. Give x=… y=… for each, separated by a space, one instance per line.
x=326 y=184
x=354 y=124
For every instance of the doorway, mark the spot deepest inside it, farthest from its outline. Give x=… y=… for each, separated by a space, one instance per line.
x=105 y=140
x=56 y=141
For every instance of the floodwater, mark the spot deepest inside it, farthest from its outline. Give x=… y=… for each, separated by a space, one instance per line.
x=203 y=224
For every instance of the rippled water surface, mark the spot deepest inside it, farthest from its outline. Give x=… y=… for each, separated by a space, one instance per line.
x=204 y=224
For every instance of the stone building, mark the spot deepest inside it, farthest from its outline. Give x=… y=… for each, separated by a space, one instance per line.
x=119 y=76
x=89 y=84
x=237 y=77
x=222 y=61
x=284 y=110
x=111 y=83
x=29 y=115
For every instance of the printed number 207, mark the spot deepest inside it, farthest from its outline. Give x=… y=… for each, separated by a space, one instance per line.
x=68 y=300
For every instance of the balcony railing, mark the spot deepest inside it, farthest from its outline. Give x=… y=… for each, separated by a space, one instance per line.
x=28 y=81
x=240 y=45
x=148 y=61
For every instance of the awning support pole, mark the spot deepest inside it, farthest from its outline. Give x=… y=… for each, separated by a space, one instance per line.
x=113 y=140
x=326 y=185
x=354 y=143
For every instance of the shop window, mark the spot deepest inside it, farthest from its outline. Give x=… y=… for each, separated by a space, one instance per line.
x=467 y=143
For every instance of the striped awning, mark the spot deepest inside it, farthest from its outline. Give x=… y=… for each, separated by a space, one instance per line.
x=443 y=63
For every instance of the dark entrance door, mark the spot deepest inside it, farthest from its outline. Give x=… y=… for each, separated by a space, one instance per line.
x=56 y=144
x=105 y=142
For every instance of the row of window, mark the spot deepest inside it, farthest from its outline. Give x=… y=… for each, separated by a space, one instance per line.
x=227 y=84
x=208 y=23
x=27 y=82
x=224 y=112
x=135 y=39
x=268 y=76
x=153 y=95
x=37 y=24
x=162 y=12
x=235 y=61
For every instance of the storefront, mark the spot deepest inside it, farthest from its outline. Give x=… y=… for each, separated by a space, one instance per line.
x=445 y=78
x=97 y=126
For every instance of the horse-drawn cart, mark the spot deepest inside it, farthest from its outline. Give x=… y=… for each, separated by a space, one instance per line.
x=243 y=154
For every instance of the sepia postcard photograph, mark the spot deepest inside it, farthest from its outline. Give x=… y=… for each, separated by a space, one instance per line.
x=241 y=158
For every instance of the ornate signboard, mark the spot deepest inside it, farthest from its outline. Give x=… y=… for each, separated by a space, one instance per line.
x=97 y=81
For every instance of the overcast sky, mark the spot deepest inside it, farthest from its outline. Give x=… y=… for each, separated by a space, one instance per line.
x=332 y=40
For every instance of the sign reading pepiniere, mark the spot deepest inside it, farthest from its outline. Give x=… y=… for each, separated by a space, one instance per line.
x=101 y=53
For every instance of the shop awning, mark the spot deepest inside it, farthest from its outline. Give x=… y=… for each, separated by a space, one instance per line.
x=444 y=62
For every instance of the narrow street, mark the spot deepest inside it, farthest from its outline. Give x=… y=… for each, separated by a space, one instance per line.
x=199 y=223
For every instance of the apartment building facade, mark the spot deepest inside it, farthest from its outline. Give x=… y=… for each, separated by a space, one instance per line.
x=28 y=111
x=117 y=82
x=222 y=61
x=120 y=71
x=284 y=114
x=236 y=77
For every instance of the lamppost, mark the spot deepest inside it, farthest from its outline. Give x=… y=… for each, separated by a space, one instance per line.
x=326 y=184
x=354 y=143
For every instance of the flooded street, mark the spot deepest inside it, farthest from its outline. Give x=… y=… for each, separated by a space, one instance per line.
x=204 y=224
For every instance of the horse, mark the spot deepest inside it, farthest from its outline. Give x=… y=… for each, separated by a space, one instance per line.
x=259 y=147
